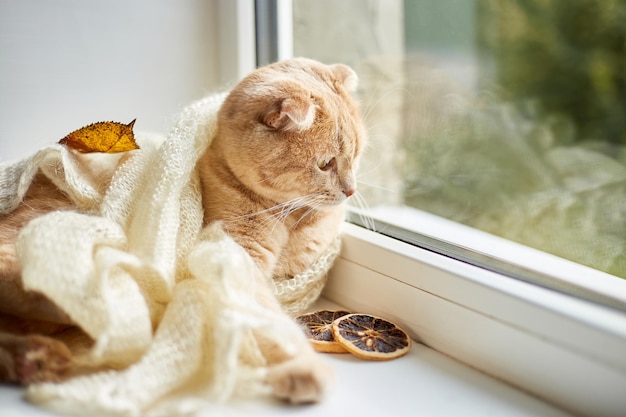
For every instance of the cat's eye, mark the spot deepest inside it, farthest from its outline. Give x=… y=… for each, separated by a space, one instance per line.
x=325 y=163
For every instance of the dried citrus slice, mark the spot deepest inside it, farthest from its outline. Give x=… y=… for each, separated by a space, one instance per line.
x=317 y=326
x=370 y=337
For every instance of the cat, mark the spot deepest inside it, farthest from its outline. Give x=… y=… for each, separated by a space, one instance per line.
x=27 y=354
x=287 y=147
x=276 y=176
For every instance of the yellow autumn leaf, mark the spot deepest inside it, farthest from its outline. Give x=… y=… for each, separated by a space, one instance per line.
x=107 y=137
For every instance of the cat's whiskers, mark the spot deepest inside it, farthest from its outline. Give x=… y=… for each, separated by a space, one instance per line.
x=380 y=187
x=280 y=212
x=292 y=204
x=359 y=203
x=314 y=204
x=297 y=204
x=312 y=201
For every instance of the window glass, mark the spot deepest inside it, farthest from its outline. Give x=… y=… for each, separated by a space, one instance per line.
x=508 y=115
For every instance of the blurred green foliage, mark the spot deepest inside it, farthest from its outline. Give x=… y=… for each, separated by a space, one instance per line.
x=535 y=151
x=566 y=56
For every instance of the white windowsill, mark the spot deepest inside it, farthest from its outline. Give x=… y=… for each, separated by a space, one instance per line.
x=562 y=349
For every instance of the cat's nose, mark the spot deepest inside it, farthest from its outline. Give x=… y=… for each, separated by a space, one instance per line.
x=349 y=191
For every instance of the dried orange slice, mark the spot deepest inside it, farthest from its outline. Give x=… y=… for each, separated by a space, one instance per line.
x=317 y=326
x=370 y=337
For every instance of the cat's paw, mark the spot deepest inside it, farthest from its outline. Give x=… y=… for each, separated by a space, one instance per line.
x=303 y=379
x=41 y=359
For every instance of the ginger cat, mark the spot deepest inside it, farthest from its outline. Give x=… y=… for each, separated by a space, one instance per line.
x=276 y=176
x=283 y=162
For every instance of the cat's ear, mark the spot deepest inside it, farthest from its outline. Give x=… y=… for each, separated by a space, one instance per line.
x=294 y=113
x=346 y=76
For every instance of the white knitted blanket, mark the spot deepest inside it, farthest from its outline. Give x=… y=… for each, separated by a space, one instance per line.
x=170 y=306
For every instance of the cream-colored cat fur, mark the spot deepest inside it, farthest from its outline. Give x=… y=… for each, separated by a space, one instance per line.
x=272 y=169
x=283 y=161
x=281 y=164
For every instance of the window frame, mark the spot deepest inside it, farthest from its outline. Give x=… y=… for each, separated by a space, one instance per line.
x=237 y=39
x=493 y=253
x=563 y=349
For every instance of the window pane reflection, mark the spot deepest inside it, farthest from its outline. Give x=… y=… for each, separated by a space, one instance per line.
x=505 y=115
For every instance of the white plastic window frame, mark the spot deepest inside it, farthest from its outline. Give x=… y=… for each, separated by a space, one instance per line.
x=563 y=349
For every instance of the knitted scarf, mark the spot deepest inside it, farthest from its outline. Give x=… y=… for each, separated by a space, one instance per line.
x=168 y=306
